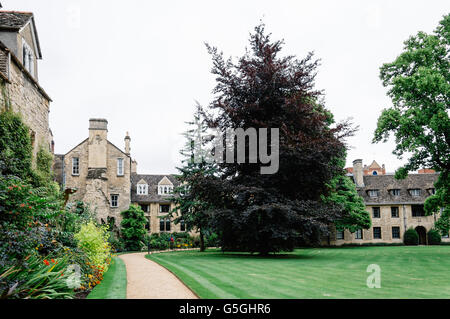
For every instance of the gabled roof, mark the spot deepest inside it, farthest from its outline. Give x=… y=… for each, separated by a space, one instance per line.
x=16 y=20
x=165 y=181
x=374 y=165
x=152 y=181
x=385 y=183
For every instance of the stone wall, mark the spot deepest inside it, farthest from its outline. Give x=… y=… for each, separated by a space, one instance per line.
x=28 y=100
x=386 y=222
x=96 y=185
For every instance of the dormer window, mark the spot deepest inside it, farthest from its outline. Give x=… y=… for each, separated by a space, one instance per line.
x=373 y=192
x=27 y=58
x=165 y=190
x=415 y=192
x=395 y=192
x=142 y=189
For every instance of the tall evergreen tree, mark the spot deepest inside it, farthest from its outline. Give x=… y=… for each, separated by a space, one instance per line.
x=273 y=212
x=194 y=212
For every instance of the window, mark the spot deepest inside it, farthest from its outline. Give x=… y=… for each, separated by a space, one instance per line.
x=182 y=225
x=114 y=200
x=147 y=224
x=144 y=208
x=432 y=191
x=395 y=192
x=142 y=189
x=376 y=212
x=164 y=208
x=417 y=211
x=394 y=212
x=359 y=234
x=445 y=236
x=375 y=173
x=164 y=190
x=395 y=232
x=120 y=167
x=415 y=192
x=373 y=193
x=377 y=233
x=164 y=224
x=75 y=166
x=339 y=234
x=27 y=58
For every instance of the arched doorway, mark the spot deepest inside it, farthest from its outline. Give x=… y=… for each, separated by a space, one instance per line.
x=422 y=235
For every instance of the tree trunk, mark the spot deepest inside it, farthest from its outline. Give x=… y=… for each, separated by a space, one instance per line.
x=202 y=241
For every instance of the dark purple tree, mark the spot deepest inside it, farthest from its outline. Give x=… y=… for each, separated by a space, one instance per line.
x=273 y=212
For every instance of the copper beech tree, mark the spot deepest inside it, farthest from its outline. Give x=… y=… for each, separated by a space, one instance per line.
x=267 y=213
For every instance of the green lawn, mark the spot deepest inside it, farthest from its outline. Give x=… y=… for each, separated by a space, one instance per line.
x=114 y=283
x=406 y=272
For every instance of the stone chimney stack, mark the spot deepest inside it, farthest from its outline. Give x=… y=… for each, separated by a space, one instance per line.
x=127 y=144
x=133 y=166
x=98 y=134
x=358 y=173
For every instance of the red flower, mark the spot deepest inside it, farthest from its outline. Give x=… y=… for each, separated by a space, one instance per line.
x=53 y=261
x=22 y=205
x=46 y=262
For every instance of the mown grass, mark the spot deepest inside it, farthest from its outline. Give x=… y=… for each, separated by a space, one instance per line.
x=114 y=283
x=406 y=272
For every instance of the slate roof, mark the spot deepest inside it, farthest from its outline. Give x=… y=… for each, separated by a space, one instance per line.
x=152 y=182
x=14 y=20
x=385 y=183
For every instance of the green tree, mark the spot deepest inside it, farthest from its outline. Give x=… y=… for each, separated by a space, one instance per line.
x=343 y=193
x=418 y=83
x=194 y=212
x=133 y=227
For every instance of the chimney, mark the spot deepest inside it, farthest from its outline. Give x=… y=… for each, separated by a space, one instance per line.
x=133 y=166
x=358 y=173
x=97 y=145
x=127 y=144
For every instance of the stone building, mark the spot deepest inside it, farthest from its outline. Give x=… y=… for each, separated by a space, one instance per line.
x=394 y=205
x=98 y=171
x=19 y=80
x=152 y=193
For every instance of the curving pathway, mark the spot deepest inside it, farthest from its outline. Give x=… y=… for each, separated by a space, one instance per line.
x=148 y=280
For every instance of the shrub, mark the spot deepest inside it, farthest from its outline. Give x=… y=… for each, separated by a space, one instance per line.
x=15 y=146
x=37 y=278
x=133 y=228
x=93 y=240
x=411 y=237
x=434 y=237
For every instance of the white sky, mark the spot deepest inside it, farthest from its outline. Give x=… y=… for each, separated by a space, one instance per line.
x=142 y=64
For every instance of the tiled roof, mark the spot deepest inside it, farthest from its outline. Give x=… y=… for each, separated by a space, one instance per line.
x=385 y=183
x=14 y=19
x=152 y=182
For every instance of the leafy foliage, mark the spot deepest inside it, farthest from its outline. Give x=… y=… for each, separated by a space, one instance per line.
x=272 y=212
x=15 y=146
x=411 y=237
x=133 y=228
x=93 y=240
x=343 y=193
x=434 y=237
x=419 y=87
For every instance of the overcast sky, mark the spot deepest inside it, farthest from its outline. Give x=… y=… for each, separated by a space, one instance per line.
x=143 y=64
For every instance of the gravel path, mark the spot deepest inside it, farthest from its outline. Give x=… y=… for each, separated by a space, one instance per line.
x=148 y=280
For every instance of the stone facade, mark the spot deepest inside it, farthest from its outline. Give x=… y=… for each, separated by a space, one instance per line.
x=98 y=171
x=152 y=193
x=19 y=77
x=393 y=205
